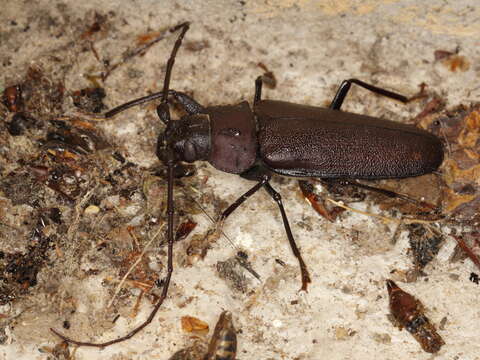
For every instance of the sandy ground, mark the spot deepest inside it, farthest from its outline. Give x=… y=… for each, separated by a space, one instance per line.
x=310 y=46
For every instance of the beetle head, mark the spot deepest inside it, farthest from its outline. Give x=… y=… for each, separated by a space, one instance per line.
x=189 y=138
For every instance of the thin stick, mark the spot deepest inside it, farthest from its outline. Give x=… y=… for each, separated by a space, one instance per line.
x=209 y=216
x=384 y=218
x=467 y=250
x=120 y=284
x=73 y=228
x=137 y=51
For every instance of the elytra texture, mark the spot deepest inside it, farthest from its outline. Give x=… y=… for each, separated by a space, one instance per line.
x=298 y=140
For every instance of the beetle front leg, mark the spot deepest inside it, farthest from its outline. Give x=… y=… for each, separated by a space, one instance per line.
x=345 y=87
x=296 y=251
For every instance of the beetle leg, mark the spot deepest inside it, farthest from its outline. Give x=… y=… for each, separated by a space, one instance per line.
x=242 y=198
x=296 y=251
x=278 y=199
x=345 y=87
x=258 y=90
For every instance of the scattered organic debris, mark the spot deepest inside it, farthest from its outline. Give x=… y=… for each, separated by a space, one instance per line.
x=408 y=313
x=98 y=25
x=184 y=229
x=66 y=196
x=452 y=60
x=194 y=325
x=242 y=258
x=89 y=99
x=223 y=343
x=474 y=278
x=317 y=202
x=61 y=351
x=233 y=273
x=12 y=98
x=460 y=128
x=444 y=54
x=466 y=249
x=196 y=351
x=19 y=270
x=144 y=43
x=424 y=244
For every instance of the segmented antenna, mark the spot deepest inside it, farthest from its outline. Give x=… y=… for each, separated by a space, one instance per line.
x=164 y=114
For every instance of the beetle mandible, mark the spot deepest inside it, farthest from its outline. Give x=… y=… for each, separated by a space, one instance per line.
x=280 y=138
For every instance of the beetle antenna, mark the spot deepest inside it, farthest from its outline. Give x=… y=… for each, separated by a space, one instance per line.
x=164 y=113
x=166 y=83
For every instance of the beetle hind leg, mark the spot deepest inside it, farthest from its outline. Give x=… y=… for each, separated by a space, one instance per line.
x=262 y=176
x=345 y=87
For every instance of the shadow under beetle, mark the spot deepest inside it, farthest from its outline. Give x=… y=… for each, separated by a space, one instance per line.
x=280 y=138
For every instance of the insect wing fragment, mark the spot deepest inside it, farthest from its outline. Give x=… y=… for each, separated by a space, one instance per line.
x=223 y=345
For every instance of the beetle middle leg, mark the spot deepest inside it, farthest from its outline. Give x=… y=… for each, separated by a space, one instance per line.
x=342 y=92
x=257 y=173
